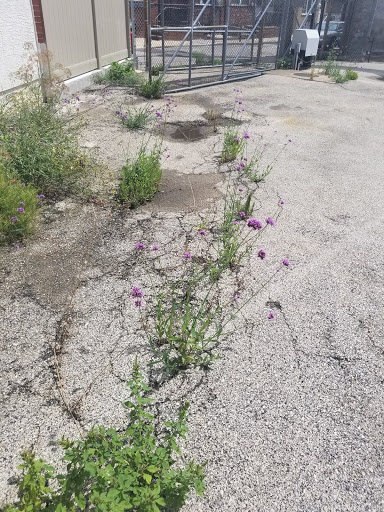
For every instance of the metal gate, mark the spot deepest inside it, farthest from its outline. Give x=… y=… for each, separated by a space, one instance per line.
x=199 y=42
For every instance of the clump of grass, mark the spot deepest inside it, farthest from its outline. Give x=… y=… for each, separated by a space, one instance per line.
x=155 y=71
x=18 y=209
x=284 y=62
x=141 y=177
x=233 y=145
x=135 y=118
x=152 y=89
x=39 y=142
x=335 y=73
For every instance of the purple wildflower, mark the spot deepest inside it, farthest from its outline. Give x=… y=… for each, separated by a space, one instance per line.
x=235 y=183
x=289 y=140
x=270 y=221
x=17 y=246
x=187 y=256
x=14 y=219
x=282 y=202
x=159 y=114
x=136 y=292
x=202 y=232
x=23 y=184
x=255 y=224
x=21 y=203
x=242 y=164
x=238 y=168
x=138 y=302
x=155 y=248
x=286 y=263
x=118 y=112
x=240 y=102
x=236 y=139
x=42 y=143
x=77 y=97
x=271 y=315
x=236 y=297
x=2 y=236
x=235 y=222
x=246 y=135
x=140 y=246
x=241 y=189
x=262 y=254
x=42 y=196
x=242 y=215
x=21 y=210
x=245 y=159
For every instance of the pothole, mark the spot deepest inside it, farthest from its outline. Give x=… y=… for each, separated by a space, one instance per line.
x=191 y=131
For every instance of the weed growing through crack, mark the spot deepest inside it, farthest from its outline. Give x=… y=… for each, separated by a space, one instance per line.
x=110 y=470
x=153 y=89
x=233 y=144
x=135 y=118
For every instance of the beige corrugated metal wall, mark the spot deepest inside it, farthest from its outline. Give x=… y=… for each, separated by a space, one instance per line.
x=71 y=35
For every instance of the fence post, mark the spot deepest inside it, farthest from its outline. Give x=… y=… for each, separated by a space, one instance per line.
x=214 y=32
x=284 y=28
x=162 y=23
x=192 y=17
x=225 y=36
x=96 y=41
x=127 y=27
x=133 y=18
x=329 y=12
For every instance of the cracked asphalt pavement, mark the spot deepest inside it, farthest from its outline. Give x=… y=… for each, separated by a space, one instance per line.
x=291 y=417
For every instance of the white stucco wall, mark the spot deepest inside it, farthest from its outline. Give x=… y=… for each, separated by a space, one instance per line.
x=16 y=29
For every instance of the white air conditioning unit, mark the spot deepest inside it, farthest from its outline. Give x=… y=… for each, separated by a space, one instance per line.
x=308 y=39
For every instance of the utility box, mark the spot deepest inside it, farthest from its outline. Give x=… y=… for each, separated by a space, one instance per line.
x=309 y=40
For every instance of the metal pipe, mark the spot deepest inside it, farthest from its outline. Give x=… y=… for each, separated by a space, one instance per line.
x=96 y=41
x=185 y=37
x=162 y=21
x=191 y=43
x=133 y=34
x=249 y=37
x=149 y=35
x=213 y=34
x=225 y=37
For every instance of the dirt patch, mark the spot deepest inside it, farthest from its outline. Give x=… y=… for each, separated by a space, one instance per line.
x=180 y=192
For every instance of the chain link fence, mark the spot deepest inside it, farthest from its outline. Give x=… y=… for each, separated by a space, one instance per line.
x=198 y=42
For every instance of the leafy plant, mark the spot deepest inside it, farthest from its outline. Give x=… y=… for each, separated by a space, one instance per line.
x=141 y=177
x=255 y=170
x=135 y=118
x=39 y=142
x=113 y=471
x=121 y=73
x=351 y=75
x=152 y=89
x=18 y=209
x=233 y=145
x=155 y=71
x=284 y=62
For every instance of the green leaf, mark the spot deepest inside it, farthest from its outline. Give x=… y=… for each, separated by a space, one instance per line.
x=147 y=478
x=152 y=468
x=80 y=500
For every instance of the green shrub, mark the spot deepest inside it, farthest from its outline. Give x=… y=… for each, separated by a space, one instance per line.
x=119 y=73
x=152 y=89
x=39 y=143
x=156 y=70
x=351 y=75
x=141 y=177
x=112 y=471
x=18 y=209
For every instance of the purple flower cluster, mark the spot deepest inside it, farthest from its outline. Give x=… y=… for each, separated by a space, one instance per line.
x=286 y=263
x=255 y=224
x=270 y=221
x=202 y=232
x=140 y=246
x=271 y=315
x=137 y=294
x=242 y=215
x=187 y=255
x=262 y=254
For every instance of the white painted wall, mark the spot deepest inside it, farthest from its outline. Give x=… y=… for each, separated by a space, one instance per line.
x=16 y=29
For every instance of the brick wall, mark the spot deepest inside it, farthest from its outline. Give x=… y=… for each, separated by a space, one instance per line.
x=39 y=21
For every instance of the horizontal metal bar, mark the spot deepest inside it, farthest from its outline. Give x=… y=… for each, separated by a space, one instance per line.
x=217 y=82
x=186 y=29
